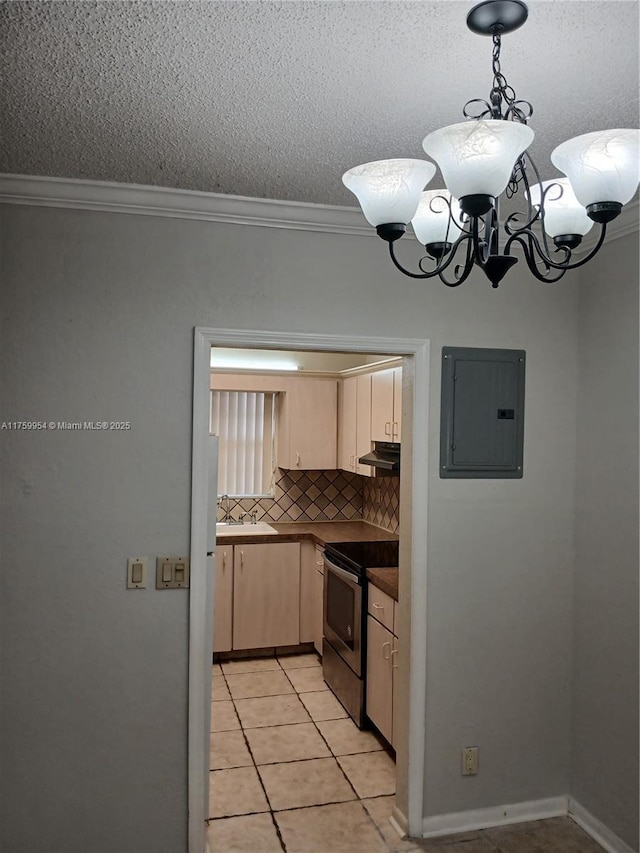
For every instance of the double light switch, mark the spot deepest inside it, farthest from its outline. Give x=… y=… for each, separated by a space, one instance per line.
x=172 y=572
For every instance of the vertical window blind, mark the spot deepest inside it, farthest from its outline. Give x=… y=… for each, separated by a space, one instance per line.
x=244 y=424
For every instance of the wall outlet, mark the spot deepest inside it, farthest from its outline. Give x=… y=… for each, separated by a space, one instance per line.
x=470 y=761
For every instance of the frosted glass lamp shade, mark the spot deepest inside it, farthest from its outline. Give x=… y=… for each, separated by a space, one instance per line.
x=389 y=190
x=603 y=166
x=563 y=213
x=477 y=157
x=432 y=222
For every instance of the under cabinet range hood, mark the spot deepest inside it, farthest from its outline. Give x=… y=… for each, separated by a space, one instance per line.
x=385 y=455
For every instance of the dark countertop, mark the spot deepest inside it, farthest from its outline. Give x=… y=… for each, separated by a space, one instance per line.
x=385 y=579
x=320 y=532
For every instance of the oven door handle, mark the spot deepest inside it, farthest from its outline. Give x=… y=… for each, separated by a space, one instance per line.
x=349 y=577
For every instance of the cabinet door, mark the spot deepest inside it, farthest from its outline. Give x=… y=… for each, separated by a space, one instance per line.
x=307 y=591
x=382 y=405
x=223 y=599
x=318 y=600
x=309 y=433
x=266 y=595
x=347 y=459
x=363 y=422
x=396 y=425
x=394 y=692
x=318 y=632
x=379 y=677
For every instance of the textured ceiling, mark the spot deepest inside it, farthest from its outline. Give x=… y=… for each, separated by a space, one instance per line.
x=278 y=99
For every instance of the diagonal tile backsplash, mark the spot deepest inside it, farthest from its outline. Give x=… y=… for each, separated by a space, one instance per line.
x=326 y=496
x=307 y=496
x=381 y=502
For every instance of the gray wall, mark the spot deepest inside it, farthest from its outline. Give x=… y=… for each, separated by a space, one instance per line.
x=98 y=317
x=605 y=678
x=500 y=563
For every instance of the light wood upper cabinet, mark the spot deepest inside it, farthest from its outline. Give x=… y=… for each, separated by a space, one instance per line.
x=354 y=428
x=308 y=424
x=266 y=595
x=386 y=405
x=397 y=403
x=223 y=599
x=347 y=400
x=363 y=423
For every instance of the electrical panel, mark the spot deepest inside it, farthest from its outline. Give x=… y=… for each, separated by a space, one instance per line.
x=482 y=413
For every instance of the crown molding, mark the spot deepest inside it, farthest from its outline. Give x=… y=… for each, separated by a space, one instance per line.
x=108 y=197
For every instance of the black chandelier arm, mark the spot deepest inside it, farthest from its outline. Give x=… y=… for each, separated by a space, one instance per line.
x=406 y=271
x=534 y=245
x=440 y=267
x=461 y=272
x=528 y=241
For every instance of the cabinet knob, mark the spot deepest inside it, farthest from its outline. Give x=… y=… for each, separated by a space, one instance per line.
x=387 y=428
x=394 y=429
x=297 y=458
x=394 y=665
x=242 y=559
x=388 y=648
x=377 y=606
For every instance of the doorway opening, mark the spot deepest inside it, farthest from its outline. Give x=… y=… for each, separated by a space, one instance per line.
x=340 y=358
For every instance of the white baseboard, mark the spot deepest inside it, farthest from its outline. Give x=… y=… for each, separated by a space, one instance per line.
x=445 y=824
x=597 y=830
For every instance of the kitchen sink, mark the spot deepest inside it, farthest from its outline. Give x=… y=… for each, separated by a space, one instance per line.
x=247 y=529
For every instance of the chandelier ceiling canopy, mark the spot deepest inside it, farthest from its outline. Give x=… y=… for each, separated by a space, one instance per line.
x=485 y=157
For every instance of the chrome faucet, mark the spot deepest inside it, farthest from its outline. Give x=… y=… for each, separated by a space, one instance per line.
x=224 y=503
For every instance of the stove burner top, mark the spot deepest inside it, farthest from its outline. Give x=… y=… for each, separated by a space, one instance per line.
x=359 y=556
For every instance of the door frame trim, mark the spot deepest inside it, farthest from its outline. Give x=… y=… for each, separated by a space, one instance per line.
x=414 y=488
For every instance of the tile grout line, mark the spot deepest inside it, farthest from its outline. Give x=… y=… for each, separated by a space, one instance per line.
x=255 y=767
x=272 y=813
x=358 y=798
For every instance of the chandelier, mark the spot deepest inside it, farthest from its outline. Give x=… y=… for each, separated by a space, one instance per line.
x=484 y=157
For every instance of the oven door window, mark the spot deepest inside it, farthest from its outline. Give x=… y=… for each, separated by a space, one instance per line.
x=341 y=607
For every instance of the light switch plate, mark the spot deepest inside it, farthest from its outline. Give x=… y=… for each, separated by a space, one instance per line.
x=137 y=572
x=177 y=577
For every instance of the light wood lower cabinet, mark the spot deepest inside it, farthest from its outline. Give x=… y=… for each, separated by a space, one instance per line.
x=380 y=677
x=266 y=595
x=223 y=599
x=382 y=663
x=307 y=591
x=318 y=601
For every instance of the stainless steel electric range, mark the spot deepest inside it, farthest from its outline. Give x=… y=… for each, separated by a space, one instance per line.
x=344 y=651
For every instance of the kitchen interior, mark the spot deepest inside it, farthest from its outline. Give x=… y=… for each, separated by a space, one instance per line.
x=305 y=641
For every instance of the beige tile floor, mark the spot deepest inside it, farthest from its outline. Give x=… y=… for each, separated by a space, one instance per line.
x=291 y=772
